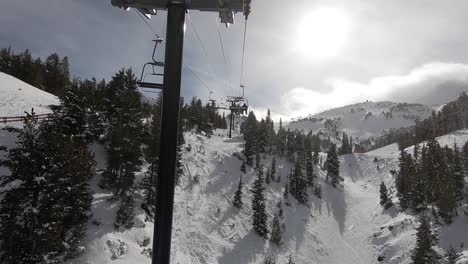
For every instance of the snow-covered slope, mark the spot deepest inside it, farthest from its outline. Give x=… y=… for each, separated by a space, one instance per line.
x=16 y=97
x=364 y=120
x=346 y=226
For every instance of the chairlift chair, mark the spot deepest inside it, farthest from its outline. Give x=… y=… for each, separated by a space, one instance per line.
x=153 y=64
x=239 y=105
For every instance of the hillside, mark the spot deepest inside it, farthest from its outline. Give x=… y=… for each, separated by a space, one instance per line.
x=18 y=97
x=364 y=120
x=346 y=226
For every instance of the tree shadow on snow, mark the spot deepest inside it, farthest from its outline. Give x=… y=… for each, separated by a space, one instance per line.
x=335 y=201
x=245 y=250
x=351 y=167
x=297 y=217
x=225 y=175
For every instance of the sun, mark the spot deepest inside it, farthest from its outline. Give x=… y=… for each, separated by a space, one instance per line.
x=323 y=32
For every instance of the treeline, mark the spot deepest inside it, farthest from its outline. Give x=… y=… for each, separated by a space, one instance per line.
x=46 y=200
x=432 y=175
x=51 y=75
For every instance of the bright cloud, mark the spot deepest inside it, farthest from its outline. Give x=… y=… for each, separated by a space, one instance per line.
x=434 y=83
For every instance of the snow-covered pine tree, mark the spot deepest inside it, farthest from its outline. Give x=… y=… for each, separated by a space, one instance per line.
x=298 y=182
x=278 y=226
x=125 y=215
x=66 y=198
x=259 y=218
x=424 y=252
x=125 y=132
x=333 y=166
x=20 y=204
x=385 y=201
x=47 y=203
x=238 y=195
x=451 y=256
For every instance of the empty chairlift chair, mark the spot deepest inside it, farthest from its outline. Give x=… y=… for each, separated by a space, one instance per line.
x=155 y=65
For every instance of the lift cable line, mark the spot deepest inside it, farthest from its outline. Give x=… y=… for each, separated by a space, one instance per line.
x=224 y=56
x=200 y=40
x=198 y=36
x=243 y=54
x=147 y=24
x=175 y=29
x=196 y=76
x=221 y=43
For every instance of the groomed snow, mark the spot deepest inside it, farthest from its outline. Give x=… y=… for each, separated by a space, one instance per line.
x=16 y=97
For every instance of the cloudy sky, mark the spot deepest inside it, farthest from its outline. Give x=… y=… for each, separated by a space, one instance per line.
x=303 y=56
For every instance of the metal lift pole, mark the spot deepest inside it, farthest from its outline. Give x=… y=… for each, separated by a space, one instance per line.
x=231 y=123
x=169 y=133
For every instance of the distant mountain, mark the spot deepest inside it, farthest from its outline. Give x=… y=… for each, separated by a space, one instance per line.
x=16 y=97
x=363 y=120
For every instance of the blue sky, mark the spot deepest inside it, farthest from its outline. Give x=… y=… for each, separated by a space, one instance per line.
x=412 y=51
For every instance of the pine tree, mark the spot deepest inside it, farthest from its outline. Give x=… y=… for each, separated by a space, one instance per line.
x=257 y=161
x=125 y=132
x=238 y=195
x=310 y=172
x=385 y=201
x=286 y=194
x=333 y=166
x=403 y=179
x=273 y=168
x=458 y=181
x=249 y=129
x=20 y=204
x=278 y=226
x=451 y=256
x=242 y=168
x=125 y=215
x=46 y=210
x=298 y=183
x=425 y=240
x=259 y=218
x=316 y=156
x=268 y=177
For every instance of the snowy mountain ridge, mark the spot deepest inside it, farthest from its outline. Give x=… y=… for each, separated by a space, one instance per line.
x=363 y=120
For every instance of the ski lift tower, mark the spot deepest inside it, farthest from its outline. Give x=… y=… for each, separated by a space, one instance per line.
x=176 y=10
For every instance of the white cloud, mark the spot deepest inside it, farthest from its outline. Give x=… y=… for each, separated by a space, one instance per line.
x=434 y=83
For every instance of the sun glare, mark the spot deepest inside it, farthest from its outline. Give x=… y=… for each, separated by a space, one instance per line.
x=323 y=32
